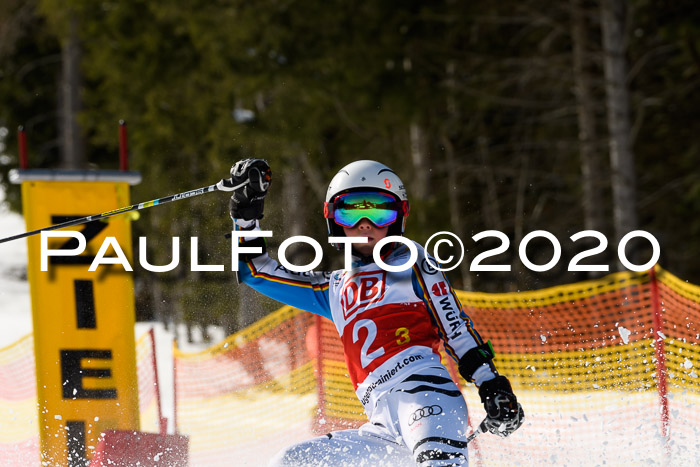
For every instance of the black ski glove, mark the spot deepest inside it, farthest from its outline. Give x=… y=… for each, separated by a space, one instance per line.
x=251 y=179
x=504 y=414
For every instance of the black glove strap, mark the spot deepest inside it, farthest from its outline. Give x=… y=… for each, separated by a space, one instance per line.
x=474 y=358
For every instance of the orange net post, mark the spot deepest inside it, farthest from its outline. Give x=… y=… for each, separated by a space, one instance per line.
x=679 y=303
x=660 y=354
x=148 y=389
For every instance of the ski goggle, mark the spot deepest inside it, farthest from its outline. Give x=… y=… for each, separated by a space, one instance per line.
x=381 y=209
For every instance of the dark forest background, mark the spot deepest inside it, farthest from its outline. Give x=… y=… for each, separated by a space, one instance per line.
x=512 y=116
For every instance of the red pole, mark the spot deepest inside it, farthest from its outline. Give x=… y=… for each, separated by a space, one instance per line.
x=162 y=421
x=174 y=387
x=22 y=142
x=661 y=370
x=319 y=371
x=123 y=147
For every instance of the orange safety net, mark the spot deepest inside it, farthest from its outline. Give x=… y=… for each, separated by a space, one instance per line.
x=251 y=394
x=584 y=360
x=339 y=408
x=19 y=430
x=607 y=371
x=19 y=418
x=581 y=360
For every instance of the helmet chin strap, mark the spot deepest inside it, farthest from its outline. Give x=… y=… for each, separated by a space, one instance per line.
x=369 y=259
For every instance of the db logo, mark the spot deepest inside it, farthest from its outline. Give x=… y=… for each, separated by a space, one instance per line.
x=362 y=289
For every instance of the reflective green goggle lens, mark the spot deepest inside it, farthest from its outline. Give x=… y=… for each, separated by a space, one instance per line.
x=379 y=208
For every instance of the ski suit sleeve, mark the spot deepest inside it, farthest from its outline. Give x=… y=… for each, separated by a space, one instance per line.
x=304 y=290
x=462 y=342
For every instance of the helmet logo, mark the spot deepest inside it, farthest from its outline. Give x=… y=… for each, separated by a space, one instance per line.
x=387 y=183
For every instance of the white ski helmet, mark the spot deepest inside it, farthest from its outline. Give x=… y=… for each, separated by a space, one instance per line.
x=367 y=176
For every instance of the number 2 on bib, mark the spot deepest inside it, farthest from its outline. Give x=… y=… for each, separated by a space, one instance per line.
x=366 y=358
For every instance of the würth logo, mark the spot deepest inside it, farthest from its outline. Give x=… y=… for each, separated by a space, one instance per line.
x=362 y=289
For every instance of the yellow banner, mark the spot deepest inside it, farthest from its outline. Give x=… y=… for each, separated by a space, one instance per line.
x=83 y=321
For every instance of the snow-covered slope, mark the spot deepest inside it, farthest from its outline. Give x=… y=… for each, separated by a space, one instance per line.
x=15 y=307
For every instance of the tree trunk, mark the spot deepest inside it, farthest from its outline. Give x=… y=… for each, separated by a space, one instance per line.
x=454 y=192
x=72 y=142
x=419 y=157
x=491 y=206
x=519 y=221
x=613 y=14
x=591 y=172
x=454 y=196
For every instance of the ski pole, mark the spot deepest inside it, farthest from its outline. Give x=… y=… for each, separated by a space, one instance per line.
x=480 y=429
x=223 y=185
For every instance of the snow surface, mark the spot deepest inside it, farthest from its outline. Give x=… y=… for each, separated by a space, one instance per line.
x=15 y=307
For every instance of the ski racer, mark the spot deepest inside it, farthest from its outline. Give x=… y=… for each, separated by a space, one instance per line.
x=390 y=325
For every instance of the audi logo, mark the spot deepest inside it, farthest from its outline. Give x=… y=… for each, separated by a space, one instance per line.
x=424 y=412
